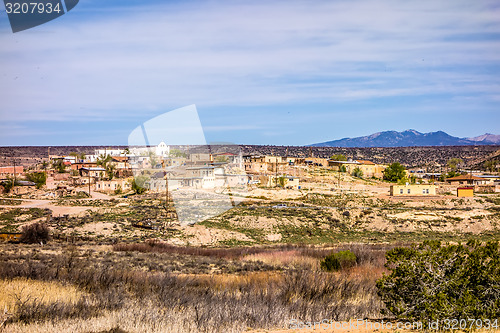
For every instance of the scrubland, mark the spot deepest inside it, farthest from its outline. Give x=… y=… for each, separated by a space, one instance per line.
x=143 y=287
x=254 y=267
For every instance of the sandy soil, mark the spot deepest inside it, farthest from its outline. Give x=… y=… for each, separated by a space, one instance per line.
x=200 y=235
x=56 y=210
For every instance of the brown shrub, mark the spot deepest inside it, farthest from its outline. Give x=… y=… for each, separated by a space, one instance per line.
x=35 y=233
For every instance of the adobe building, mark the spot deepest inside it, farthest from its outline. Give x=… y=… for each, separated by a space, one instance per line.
x=368 y=168
x=413 y=190
x=10 y=171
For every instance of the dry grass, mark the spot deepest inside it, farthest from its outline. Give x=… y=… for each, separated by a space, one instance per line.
x=136 y=299
x=135 y=317
x=284 y=258
x=20 y=290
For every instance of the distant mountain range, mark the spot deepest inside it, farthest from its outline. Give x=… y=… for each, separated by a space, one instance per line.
x=410 y=138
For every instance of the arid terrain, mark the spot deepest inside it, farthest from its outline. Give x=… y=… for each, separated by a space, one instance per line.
x=115 y=263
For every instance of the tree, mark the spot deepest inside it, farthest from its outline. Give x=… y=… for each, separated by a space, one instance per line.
x=177 y=153
x=103 y=160
x=110 y=170
x=357 y=172
x=434 y=282
x=8 y=184
x=221 y=159
x=79 y=156
x=153 y=159
x=338 y=157
x=39 y=178
x=282 y=180
x=342 y=168
x=138 y=184
x=491 y=165
x=59 y=166
x=454 y=163
x=395 y=172
x=106 y=163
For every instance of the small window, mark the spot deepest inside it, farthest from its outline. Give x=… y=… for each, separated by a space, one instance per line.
x=423 y=191
x=401 y=191
x=427 y=191
x=409 y=191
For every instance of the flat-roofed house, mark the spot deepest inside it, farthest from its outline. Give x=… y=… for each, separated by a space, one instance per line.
x=9 y=171
x=316 y=161
x=264 y=164
x=490 y=178
x=369 y=168
x=196 y=177
x=413 y=190
x=113 y=185
x=92 y=172
x=80 y=165
x=288 y=181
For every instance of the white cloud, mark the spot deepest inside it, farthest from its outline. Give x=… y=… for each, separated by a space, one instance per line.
x=119 y=63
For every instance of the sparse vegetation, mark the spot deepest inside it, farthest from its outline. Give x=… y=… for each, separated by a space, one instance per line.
x=35 y=233
x=434 y=282
x=317 y=251
x=395 y=172
x=39 y=178
x=357 y=172
x=338 y=261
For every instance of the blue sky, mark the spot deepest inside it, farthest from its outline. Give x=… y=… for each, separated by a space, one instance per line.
x=260 y=72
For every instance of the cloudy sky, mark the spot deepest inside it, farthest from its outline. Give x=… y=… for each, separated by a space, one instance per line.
x=259 y=72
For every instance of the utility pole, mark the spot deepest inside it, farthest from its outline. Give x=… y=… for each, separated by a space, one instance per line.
x=339 y=177
x=90 y=196
x=15 y=179
x=275 y=171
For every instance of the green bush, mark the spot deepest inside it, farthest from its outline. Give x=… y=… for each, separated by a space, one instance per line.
x=39 y=178
x=139 y=184
x=357 y=172
x=395 y=172
x=434 y=282
x=338 y=261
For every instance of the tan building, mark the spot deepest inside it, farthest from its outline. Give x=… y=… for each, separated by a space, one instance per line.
x=316 y=161
x=200 y=159
x=371 y=169
x=113 y=185
x=368 y=168
x=92 y=172
x=9 y=171
x=289 y=181
x=264 y=164
x=175 y=161
x=413 y=190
